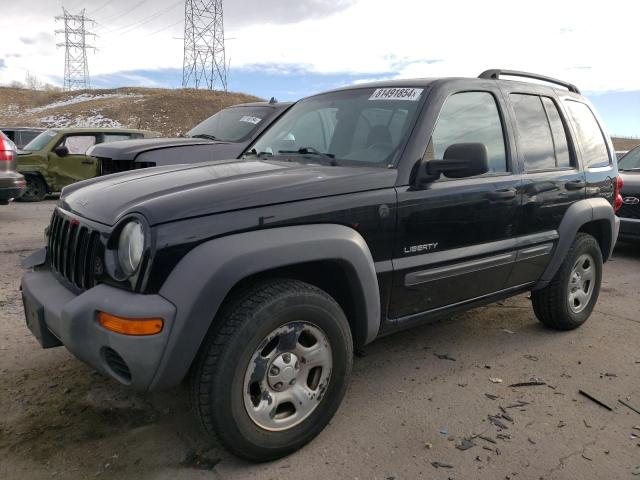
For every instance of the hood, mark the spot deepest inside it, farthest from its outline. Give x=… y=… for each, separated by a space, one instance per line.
x=165 y=194
x=129 y=149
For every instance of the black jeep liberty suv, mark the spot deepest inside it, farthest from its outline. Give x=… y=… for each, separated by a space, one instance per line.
x=360 y=212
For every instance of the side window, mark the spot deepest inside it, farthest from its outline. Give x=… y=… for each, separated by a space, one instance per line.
x=543 y=139
x=27 y=136
x=470 y=117
x=79 y=144
x=534 y=132
x=115 y=137
x=592 y=143
x=563 y=158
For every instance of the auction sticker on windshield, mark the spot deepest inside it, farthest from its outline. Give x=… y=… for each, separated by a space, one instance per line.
x=250 y=119
x=411 y=94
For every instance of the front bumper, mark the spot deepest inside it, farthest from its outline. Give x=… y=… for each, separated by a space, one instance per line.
x=629 y=229
x=56 y=316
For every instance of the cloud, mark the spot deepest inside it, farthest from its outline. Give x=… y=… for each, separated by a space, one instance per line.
x=279 y=12
x=2 y=63
x=42 y=37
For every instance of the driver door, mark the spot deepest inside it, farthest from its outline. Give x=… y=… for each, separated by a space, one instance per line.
x=74 y=166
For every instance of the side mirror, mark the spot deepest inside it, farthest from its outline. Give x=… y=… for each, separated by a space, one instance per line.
x=461 y=160
x=61 y=151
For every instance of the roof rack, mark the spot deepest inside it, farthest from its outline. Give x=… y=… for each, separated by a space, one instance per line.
x=496 y=73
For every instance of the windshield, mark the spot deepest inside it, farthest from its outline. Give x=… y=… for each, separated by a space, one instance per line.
x=40 y=141
x=631 y=160
x=233 y=124
x=356 y=127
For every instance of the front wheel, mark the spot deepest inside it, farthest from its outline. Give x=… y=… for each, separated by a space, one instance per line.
x=273 y=370
x=569 y=299
x=36 y=189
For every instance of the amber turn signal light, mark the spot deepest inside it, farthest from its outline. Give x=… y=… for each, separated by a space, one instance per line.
x=130 y=326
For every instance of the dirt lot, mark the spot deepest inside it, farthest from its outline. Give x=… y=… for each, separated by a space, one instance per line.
x=408 y=404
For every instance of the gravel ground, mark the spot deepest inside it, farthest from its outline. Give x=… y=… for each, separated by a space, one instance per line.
x=413 y=398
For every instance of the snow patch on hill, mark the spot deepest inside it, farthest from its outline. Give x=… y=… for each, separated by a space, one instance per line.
x=83 y=97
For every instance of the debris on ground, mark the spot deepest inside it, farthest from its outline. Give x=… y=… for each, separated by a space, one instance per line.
x=441 y=465
x=629 y=406
x=532 y=442
x=465 y=444
x=198 y=461
x=533 y=383
x=506 y=330
x=533 y=358
x=520 y=403
x=497 y=422
x=428 y=445
x=487 y=439
x=593 y=399
x=444 y=431
x=503 y=436
x=495 y=380
x=491 y=396
x=444 y=356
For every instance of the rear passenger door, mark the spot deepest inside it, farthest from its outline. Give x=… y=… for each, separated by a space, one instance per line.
x=552 y=178
x=455 y=236
x=75 y=166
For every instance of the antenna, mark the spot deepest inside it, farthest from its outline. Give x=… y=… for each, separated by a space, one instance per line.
x=204 y=63
x=76 y=68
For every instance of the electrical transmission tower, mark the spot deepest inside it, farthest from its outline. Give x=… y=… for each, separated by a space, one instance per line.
x=204 y=64
x=76 y=68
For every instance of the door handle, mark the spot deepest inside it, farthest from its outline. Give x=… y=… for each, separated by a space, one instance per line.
x=88 y=162
x=575 y=185
x=503 y=194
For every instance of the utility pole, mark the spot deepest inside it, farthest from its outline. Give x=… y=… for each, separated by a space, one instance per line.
x=76 y=68
x=204 y=64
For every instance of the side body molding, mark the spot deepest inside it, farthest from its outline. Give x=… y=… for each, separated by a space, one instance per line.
x=579 y=214
x=199 y=283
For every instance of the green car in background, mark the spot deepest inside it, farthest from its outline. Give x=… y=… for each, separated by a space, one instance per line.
x=56 y=158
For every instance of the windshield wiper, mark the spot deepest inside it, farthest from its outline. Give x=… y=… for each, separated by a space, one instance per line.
x=253 y=151
x=330 y=157
x=204 y=135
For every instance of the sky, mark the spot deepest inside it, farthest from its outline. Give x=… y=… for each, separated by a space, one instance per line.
x=293 y=48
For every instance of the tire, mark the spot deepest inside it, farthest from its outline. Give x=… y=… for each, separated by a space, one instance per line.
x=237 y=390
x=36 y=189
x=561 y=304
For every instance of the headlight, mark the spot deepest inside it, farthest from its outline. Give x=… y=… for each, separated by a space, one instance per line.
x=131 y=247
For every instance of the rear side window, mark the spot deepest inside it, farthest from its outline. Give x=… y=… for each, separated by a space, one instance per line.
x=470 y=117
x=534 y=132
x=560 y=144
x=592 y=142
x=79 y=144
x=115 y=137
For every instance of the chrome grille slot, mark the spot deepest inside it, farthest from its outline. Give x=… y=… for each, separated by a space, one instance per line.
x=71 y=249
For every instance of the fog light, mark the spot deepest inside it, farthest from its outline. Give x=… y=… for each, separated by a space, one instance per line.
x=130 y=326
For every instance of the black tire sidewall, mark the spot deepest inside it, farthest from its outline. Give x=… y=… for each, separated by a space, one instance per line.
x=42 y=188
x=589 y=245
x=243 y=436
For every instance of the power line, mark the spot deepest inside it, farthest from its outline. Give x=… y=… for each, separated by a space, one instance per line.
x=76 y=68
x=111 y=19
x=204 y=63
x=142 y=21
x=109 y=2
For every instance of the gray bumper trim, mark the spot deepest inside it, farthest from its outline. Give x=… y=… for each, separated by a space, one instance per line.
x=73 y=320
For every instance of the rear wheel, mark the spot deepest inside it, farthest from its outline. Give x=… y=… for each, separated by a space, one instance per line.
x=569 y=299
x=273 y=371
x=36 y=189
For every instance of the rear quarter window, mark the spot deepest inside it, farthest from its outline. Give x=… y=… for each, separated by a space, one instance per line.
x=590 y=137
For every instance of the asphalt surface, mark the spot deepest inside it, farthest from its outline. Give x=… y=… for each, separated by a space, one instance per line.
x=414 y=397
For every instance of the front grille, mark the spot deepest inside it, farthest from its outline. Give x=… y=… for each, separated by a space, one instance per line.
x=71 y=250
x=108 y=165
x=629 y=211
x=117 y=364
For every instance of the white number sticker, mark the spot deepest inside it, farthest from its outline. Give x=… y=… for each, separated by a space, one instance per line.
x=249 y=119
x=411 y=94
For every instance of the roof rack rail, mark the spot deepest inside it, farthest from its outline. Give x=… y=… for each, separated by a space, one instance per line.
x=496 y=73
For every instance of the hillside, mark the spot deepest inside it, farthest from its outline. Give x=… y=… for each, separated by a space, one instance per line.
x=169 y=111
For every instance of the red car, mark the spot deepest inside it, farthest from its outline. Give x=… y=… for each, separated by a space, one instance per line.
x=12 y=184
